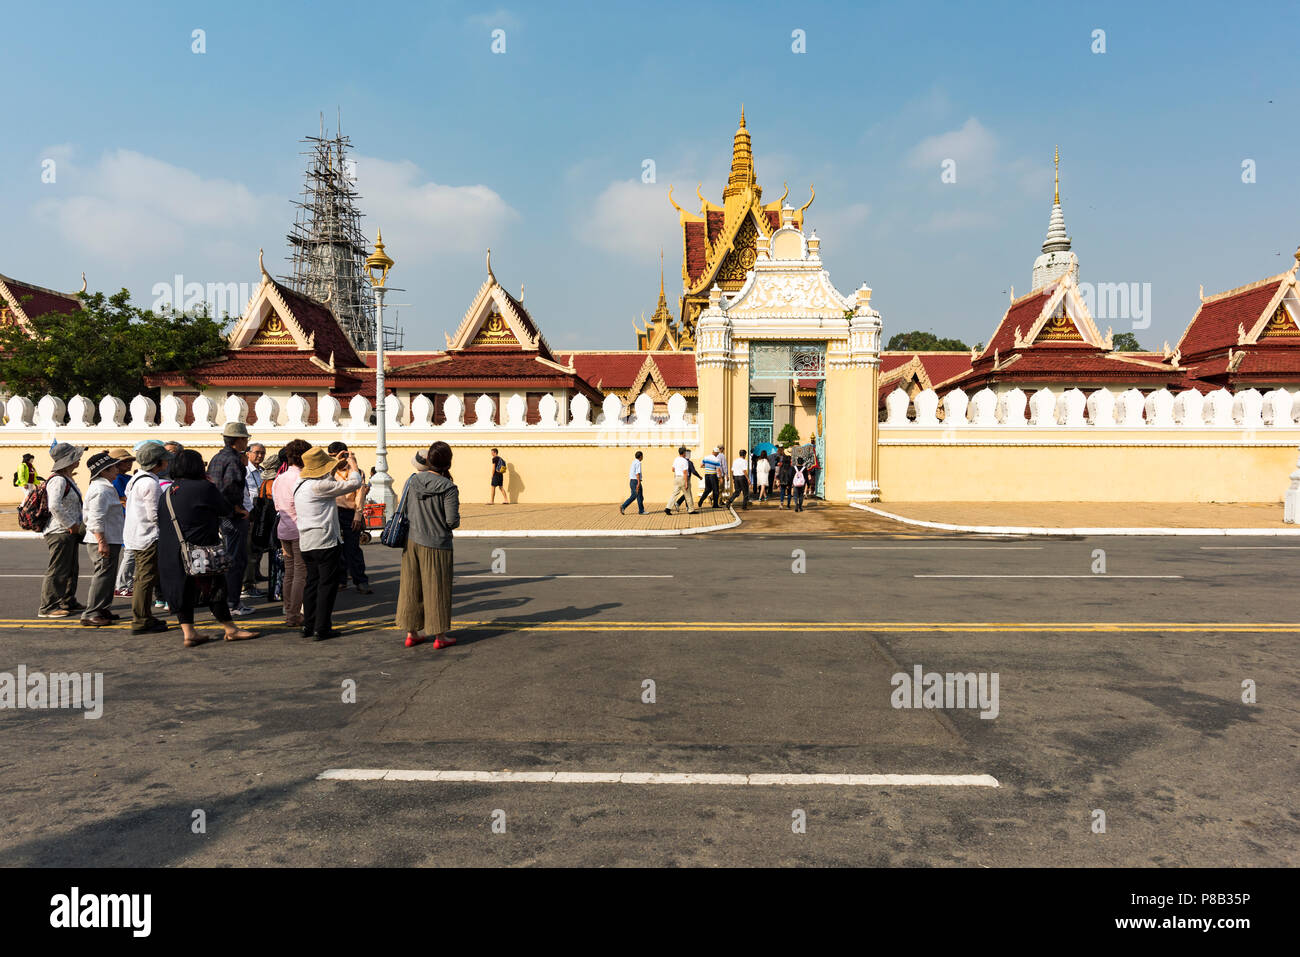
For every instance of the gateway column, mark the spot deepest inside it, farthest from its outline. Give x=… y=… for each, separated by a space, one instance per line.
x=715 y=371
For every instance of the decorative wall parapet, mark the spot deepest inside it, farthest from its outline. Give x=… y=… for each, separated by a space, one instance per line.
x=25 y=421
x=1129 y=410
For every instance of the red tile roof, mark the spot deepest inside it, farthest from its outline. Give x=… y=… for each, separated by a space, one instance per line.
x=715 y=218
x=317 y=317
x=697 y=251
x=37 y=301
x=1215 y=324
x=618 y=370
x=774 y=218
x=252 y=368
x=1023 y=313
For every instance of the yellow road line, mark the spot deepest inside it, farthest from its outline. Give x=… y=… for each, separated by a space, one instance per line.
x=889 y=627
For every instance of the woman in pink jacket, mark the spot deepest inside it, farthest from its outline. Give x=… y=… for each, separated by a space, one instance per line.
x=295 y=568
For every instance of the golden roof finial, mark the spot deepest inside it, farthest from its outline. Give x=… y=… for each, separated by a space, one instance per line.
x=489 y=265
x=742 y=163
x=662 y=298
x=1057 y=200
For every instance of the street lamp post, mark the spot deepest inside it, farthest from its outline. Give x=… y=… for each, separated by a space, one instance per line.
x=377 y=266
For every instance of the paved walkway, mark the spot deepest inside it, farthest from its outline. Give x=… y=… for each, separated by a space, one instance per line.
x=1095 y=514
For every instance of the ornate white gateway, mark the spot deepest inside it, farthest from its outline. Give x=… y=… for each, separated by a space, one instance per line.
x=789 y=324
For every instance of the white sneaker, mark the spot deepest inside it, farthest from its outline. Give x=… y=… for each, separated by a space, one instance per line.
x=241 y=611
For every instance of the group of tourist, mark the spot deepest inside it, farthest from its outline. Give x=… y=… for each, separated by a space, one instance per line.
x=755 y=477
x=175 y=533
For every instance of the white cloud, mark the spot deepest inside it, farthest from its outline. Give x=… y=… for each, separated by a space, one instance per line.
x=129 y=207
x=422 y=215
x=631 y=218
x=501 y=18
x=972 y=146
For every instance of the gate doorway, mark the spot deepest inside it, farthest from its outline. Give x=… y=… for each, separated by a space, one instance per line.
x=787 y=387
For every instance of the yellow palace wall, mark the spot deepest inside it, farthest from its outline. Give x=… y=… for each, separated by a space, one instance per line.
x=1108 y=465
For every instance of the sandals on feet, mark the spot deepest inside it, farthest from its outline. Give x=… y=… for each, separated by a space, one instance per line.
x=243 y=635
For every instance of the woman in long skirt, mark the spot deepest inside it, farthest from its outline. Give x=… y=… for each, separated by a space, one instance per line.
x=433 y=508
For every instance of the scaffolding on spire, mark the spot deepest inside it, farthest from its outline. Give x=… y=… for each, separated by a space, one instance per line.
x=328 y=249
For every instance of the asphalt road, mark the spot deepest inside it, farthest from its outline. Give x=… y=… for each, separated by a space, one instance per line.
x=1116 y=694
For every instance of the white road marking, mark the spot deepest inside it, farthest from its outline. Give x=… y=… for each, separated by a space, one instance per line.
x=1047 y=576
x=591 y=548
x=662 y=777
x=542 y=577
x=1249 y=548
x=953 y=548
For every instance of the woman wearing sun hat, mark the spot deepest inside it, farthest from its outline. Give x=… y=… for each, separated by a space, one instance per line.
x=62 y=534
x=104 y=521
x=319 y=535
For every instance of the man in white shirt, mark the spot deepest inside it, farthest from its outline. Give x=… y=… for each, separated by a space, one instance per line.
x=739 y=479
x=104 y=519
x=681 y=469
x=140 y=535
x=634 y=482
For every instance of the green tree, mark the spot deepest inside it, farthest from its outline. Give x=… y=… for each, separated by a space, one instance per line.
x=1127 y=342
x=105 y=348
x=917 y=341
x=789 y=435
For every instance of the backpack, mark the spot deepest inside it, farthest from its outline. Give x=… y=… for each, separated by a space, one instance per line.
x=501 y=466
x=262 y=521
x=34 y=513
x=799 y=480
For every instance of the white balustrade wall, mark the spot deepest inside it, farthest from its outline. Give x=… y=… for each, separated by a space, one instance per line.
x=1121 y=412
x=140 y=418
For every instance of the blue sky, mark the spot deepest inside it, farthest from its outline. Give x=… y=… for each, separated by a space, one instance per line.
x=171 y=162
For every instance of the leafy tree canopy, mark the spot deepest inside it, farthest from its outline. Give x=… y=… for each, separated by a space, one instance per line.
x=1127 y=342
x=106 y=348
x=917 y=341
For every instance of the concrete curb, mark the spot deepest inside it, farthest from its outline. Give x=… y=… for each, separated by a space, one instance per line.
x=545 y=532
x=1030 y=530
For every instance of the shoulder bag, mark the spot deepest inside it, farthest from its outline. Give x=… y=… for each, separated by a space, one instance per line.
x=398 y=526
x=198 y=560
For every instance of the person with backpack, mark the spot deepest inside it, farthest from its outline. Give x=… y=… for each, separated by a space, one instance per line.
x=432 y=506
x=55 y=510
x=799 y=482
x=499 y=479
x=105 y=519
x=26 y=478
x=140 y=534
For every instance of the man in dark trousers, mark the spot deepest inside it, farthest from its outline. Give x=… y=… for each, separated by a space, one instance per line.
x=228 y=473
x=739 y=479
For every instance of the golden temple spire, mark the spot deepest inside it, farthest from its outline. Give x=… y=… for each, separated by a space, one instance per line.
x=742 y=163
x=663 y=300
x=1057 y=199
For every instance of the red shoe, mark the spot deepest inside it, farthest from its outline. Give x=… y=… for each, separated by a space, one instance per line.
x=443 y=642
x=413 y=640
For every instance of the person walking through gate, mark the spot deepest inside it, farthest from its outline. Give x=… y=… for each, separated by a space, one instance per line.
x=799 y=482
x=352 y=516
x=228 y=473
x=681 y=482
x=62 y=534
x=634 y=482
x=785 y=475
x=740 y=479
x=319 y=534
x=126 y=561
x=713 y=465
x=424 y=589
x=763 y=476
x=140 y=535
x=499 y=479
x=104 y=518
x=190 y=510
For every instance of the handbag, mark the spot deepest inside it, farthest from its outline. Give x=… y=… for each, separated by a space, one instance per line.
x=398 y=525
x=198 y=560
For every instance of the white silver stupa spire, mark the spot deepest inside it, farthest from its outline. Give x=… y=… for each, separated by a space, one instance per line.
x=1057 y=259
